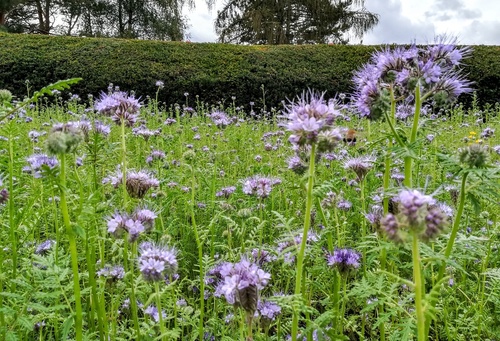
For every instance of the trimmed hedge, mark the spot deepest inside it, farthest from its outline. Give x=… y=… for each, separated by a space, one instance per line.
x=214 y=72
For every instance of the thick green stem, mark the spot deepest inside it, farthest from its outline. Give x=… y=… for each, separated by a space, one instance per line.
x=124 y=165
x=73 y=251
x=419 y=288
x=307 y=224
x=413 y=137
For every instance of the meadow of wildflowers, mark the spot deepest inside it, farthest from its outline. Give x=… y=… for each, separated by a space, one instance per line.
x=124 y=219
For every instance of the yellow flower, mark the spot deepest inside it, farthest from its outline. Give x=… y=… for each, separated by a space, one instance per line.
x=472 y=133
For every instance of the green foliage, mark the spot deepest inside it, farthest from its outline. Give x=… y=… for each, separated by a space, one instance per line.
x=211 y=71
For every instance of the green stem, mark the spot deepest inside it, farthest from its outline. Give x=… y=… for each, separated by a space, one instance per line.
x=160 y=314
x=454 y=229
x=200 y=258
x=419 y=287
x=307 y=224
x=12 y=210
x=73 y=250
x=413 y=137
x=124 y=165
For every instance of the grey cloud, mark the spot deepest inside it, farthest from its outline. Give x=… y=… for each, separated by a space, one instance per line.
x=469 y=14
x=393 y=27
x=449 y=4
x=481 y=32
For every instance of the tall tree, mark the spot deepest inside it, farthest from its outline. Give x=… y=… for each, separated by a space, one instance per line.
x=293 y=21
x=6 y=6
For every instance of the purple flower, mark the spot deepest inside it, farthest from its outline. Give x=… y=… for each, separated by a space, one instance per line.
x=310 y=115
x=37 y=163
x=296 y=165
x=268 y=310
x=101 y=128
x=345 y=260
x=242 y=282
x=417 y=214
x=160 y=84
x=144 y=132
x=44 y=247
x=155 y=155
x=435 y=65
x=220 y=118
x=120 y=106
x=169 y=121
x=225 y=192
x=152 y=311
x=112 y=273
x=156 y=261
x=360 y=165
x=137 y=182
x=259 y=186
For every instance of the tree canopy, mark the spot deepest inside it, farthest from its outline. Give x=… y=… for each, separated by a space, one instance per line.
x=293 y=21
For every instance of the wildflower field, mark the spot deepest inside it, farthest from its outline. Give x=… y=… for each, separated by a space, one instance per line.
x=366 y=216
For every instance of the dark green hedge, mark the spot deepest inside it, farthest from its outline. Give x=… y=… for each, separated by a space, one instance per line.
x=213 y=71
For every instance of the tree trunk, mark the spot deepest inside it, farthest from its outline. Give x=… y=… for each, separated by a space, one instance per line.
x=3 y=18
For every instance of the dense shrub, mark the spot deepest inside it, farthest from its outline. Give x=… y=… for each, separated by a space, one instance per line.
x=212 y=71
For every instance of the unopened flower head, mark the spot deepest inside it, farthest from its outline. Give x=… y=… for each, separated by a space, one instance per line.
x=64 y=138
x=474 y=156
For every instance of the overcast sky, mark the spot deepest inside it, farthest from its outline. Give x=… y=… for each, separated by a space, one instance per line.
x=474 y=22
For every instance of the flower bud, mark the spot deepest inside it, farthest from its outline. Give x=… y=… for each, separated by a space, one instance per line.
x=474 y=156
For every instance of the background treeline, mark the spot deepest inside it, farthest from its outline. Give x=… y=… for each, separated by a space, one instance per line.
x=214 y=72
x=239 y=21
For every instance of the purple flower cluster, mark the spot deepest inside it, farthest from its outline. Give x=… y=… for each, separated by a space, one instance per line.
x=137 y=182
x=239 y=283
x=152 y=311
x=156 y=262
x=155 y=155
x=417 y=214
x=120 y=106
x=37 y=163
x=226 y=192
x=360 y=165
x=268 y=310
x=44 y=247
x=344 y=260
x=310 y=116
x=220 y=118
x=259 y=186
x=288 y=247
x=142 y=220
x=144 y=132
x=435 y=67
x=112 y=273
